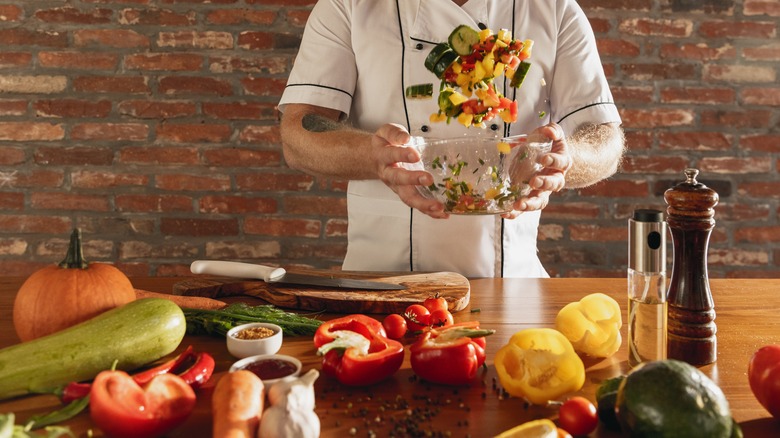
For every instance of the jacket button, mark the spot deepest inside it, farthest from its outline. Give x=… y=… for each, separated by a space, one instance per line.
x=419 y=46
x=494 y=127
x=424 y=128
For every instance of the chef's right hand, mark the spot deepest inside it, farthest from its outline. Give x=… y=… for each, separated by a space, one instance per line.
x=388 y=151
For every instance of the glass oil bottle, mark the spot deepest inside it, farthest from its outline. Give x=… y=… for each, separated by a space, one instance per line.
x=647 y=305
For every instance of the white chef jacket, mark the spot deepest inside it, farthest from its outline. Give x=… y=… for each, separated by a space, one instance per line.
x=358 y=56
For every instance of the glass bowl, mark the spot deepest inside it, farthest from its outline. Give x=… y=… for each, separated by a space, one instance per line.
x=479 y=175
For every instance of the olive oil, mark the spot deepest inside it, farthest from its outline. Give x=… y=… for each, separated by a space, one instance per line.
x=646 y=331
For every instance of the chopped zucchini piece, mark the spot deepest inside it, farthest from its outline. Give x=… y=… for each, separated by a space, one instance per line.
x=519 y=76
x=419 y=91
x=436 y=53
x=463 y=38
x=444 y=62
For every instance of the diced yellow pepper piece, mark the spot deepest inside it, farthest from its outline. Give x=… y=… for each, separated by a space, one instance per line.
x=506 y=116
x=437 y=117
x=484 y=34
x=456 y=67
x=504 y=35
x=498 y=69
x=504 y=147
x=488 y=64
x=457 y=98
x=491 y=193
x=499 y=44
x=465 y=119
x=463 y=80
x=478 y=73
x=592 y=325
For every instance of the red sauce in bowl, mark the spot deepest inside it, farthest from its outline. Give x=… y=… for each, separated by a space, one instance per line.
x=271 y=368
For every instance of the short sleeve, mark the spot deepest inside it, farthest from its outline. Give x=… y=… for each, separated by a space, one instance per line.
x=324 y=73
x=580 y=92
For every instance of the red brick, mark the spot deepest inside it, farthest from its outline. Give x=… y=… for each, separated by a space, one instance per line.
x=737 y=29
x=254 y=250
x=760 y=143
x=198 y=227
x=48 y=224
x=116 y=84
x=298 y=18
x=241 y=16
x=570 y=210
x=159 y=155
x=272 y=226
x=110 y=131
x=598 y=233
x=250 y=64
x=68 y=202
x=239 y=110
x=739 y=73
x=761 y=96
x=11 y=155
x=654 y=164
x=208 y=40
x=639 y=140
x=149 y=109
x=70 y=15
x=130 y=250
x=767 y=52
x=195 y=85
x=189 y=133
x=255 y=134
x=735 y=165
x=182 y=182
x=74 y=156
x=760 y=189
x=221 y=204
x=735 y=119
x=24 y=37
x=736 y=257
x=550 y=232
x=157 y=17
x=697 y=52
x=102 y=179
x=114 y=38
x=336 y=228
x=163 y=62
x=328 y=255
x=263 y=86
x=757 y=234
x=692 y=141
x=316 y=205
x=740 y=212
x=36 y=178
x=657 y=27
x=253 y=40
x=285 y=3
x=698 y=95
x=15 y=59
x=72 y=108
x=599 y=26
x=274 y=182
x=9 y=200
x=153 y=203
x=647 y=72
x=617 y=188
x=242 y=157
x=11 y=13
x=31 y=131
x=762 y=7
x=659 y=118
x=617 y=47
x=78 y=60
x=37 y=84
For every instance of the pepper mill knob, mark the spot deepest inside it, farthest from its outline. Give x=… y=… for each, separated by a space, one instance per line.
x=691 y=330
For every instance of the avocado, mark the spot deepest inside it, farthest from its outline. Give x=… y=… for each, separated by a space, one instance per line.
x=606 y=396
x=670 y=399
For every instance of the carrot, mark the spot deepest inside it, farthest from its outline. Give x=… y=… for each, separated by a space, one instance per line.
x=237 y=405
x=201 y=303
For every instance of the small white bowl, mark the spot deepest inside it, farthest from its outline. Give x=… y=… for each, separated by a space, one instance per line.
x=241 y=348
x=247 y=362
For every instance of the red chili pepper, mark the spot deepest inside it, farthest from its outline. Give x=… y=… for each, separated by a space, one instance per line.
x=194 y=368
x=450 y=355
x=357 y=351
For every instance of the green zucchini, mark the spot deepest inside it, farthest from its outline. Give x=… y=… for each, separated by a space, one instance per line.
x=134 y=335
x=444 y=63
x=436 y=54
x=519 y=76
x=419 y=91
x=462 y=39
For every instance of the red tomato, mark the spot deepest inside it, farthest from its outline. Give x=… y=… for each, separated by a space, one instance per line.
x=441 y=318
x=435 y=303
x=123 y=409
x=395 y=326
x=764 y=377
x=578 y=416
x=417 y=317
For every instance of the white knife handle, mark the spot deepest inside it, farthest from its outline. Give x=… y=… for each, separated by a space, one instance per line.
x=236 y=270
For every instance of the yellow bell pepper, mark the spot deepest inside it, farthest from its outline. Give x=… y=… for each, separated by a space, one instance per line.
x=592 y=325
x=539 y=364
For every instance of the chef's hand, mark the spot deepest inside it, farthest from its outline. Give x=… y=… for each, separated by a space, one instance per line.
x=551 y=178
x=388 y=151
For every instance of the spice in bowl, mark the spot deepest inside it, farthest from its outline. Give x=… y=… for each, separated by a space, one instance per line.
x=258 y=332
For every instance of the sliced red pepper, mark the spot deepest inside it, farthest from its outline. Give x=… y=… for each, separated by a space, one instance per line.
x=450 y=355
x=356 y=350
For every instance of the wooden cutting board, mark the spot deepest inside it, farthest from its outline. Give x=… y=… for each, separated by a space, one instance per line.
x=453 y=287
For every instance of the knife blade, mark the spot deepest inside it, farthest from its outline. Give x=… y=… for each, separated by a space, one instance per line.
x=280 y=275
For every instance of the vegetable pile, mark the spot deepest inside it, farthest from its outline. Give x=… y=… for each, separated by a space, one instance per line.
x=467 y=64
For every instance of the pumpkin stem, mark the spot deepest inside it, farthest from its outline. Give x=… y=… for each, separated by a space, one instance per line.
x=75 y=257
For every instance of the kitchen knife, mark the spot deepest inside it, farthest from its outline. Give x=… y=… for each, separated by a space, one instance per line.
x=280 y=275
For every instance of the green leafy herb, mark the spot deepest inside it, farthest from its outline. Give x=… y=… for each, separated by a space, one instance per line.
x=219 y=322
x=9 y=429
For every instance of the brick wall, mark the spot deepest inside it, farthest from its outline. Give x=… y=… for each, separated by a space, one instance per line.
x=151 y=125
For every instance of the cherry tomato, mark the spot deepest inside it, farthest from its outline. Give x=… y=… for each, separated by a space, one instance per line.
x=435 y=303
x=441 y=318
x=395 y=326
x=578 y=416
x=417 y=317
x=764 y=377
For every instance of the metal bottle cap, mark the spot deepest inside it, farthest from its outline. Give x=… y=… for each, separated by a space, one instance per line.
x=647 y=241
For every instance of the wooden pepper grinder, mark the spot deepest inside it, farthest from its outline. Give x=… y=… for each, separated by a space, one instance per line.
x=691 y=312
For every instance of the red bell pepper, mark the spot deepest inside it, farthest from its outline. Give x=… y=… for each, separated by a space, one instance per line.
x=194 y=368
x=451 y=354
x=356 y=350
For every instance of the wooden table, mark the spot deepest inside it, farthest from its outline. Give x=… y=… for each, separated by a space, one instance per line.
x=747 y=318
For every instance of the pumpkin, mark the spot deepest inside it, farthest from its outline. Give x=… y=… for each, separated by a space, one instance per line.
x=59 y=296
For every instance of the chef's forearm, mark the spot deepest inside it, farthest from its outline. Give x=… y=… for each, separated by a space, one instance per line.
x=596 y=151
x=316 y=143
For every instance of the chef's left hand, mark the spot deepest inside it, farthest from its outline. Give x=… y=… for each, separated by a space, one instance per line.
x=551 y=178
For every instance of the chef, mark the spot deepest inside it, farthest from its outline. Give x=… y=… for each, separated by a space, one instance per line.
x=346 y=116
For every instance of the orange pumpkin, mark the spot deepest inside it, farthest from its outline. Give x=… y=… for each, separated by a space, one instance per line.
x=57 y=297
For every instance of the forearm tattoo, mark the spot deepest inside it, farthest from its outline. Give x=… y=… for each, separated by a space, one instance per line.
x=318 y=123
